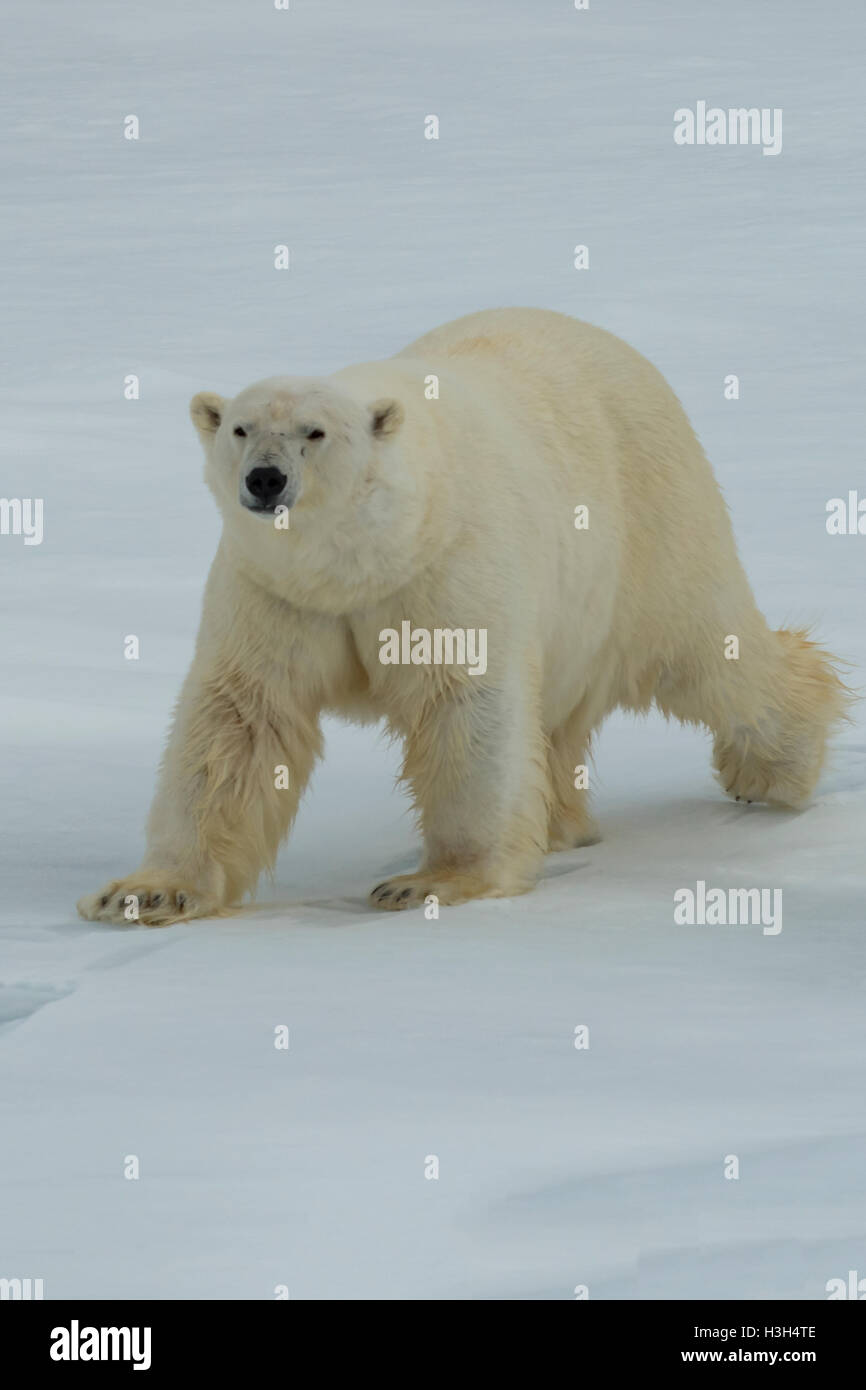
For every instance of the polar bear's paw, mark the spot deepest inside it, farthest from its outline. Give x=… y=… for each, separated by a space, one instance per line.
x=572 y=832
x=448 y=887
x=747 y=777
x=147 y=899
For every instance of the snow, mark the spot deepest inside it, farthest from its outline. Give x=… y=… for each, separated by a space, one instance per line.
x=409 y=1038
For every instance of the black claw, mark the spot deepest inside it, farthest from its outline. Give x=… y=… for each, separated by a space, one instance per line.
x=736 y=798
x=378 y=888
x=404 y=894
x=103 y=902
x=155 y=900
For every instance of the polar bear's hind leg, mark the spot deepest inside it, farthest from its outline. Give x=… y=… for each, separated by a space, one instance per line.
x=772 y=710
x=571 y=824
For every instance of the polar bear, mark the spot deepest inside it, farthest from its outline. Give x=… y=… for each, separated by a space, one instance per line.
x=516 y=474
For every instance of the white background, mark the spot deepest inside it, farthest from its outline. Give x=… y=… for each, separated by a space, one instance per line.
x=410 y=1038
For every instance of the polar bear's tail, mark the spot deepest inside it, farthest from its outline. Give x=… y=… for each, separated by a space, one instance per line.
x=772 y=746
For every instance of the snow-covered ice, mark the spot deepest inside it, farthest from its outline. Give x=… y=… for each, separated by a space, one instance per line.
x=410 y=1038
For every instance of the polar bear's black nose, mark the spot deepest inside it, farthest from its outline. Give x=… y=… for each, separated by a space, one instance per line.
x=265 y=483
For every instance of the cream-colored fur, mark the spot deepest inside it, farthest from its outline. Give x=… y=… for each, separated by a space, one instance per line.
x=459 y=513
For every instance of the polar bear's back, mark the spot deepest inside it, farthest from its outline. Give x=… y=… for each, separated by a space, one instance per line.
x=594 y=422
x=509 y=330
x=583 y=377
x=537 y=341
x=614 y=410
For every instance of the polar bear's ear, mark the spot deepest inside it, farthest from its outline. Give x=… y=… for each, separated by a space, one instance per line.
x=206 y=410
x=386 y=417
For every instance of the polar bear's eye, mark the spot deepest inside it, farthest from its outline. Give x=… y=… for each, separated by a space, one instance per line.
x=316 y=434
x=240 y=432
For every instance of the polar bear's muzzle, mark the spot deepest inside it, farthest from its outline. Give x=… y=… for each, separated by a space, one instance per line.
x=266 y=487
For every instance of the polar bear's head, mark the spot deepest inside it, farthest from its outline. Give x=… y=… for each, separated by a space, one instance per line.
x=290 y=442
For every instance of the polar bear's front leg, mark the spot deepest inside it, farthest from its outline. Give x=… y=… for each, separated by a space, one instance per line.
x=477 y=766
x=237 y=762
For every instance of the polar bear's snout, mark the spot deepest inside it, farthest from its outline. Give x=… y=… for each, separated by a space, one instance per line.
x=266 y=487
